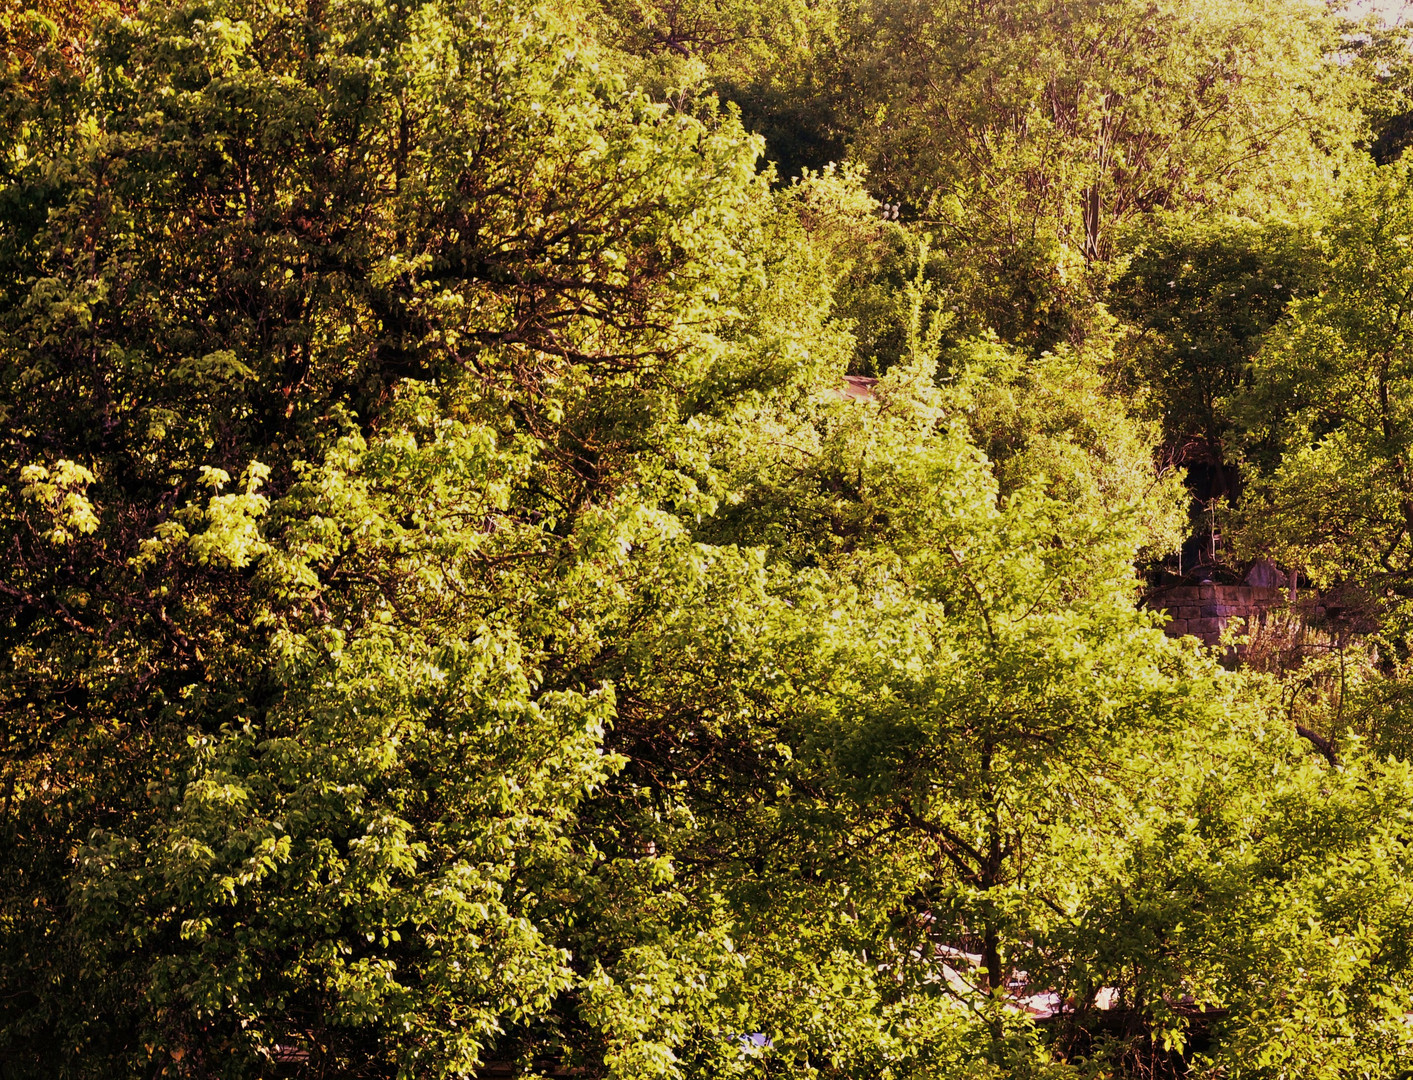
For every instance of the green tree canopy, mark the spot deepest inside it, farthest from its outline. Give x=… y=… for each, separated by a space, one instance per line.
x=456 y=623
x=1332 y=394
x=1032 y=135
x=1203 y=294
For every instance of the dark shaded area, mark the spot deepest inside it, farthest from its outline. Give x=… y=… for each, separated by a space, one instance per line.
x=1123 y=1035
x=1391 y=138
x=800 y=130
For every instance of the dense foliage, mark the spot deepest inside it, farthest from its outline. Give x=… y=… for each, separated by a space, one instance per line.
x=458 y=620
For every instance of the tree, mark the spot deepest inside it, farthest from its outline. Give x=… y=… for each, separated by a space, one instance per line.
x=1059 y=421
x=41 y=41
x=1032 y=136
x=453 y=620
x=1203 y=294
x=291 y=758
x=761 y=57
x=1259 y=912
x=1331 y=393
x=949 y=641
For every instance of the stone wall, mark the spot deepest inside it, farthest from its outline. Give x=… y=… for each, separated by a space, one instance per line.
x=1204 y=611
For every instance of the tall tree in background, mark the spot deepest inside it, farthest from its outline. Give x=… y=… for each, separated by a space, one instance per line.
x=1031 y=135
x=1333 y=395
x=1202 y=295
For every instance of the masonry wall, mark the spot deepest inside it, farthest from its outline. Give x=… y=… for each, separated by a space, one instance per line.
x=1205 y=611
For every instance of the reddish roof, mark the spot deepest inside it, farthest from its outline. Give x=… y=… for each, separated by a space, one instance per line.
x=857 y=388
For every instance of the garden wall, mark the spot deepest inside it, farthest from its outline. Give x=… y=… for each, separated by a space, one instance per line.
x=1205 y=611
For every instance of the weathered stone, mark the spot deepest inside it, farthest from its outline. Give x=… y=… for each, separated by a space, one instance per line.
x=1265 y=574
x=1204 y=611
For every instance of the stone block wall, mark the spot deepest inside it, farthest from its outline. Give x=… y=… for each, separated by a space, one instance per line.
x=1204 y=611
